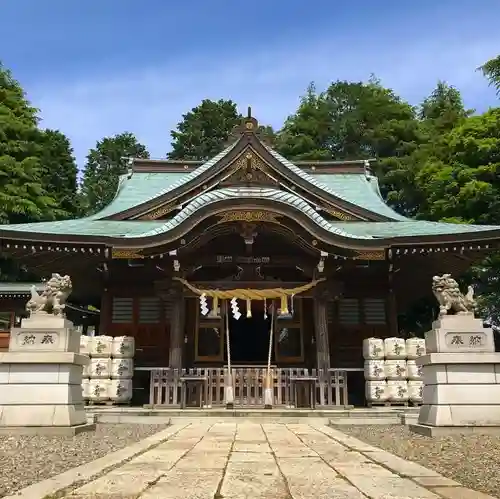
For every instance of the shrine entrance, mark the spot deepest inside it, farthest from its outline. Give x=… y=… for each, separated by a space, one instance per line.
x=249 y=335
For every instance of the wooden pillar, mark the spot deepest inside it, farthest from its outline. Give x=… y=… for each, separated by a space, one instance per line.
x=392 y=309
x=106 y=311
x=321 y=331
x=176 y=328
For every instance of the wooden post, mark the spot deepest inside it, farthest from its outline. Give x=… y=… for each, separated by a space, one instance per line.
x=321 y=332
x=106 y=311
x=176 y=328
x=322 y=341
x=392 y=308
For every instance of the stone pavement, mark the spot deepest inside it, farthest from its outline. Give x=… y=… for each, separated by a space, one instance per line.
x=229 y=460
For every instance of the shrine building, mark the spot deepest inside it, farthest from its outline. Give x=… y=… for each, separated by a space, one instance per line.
x=191 y=254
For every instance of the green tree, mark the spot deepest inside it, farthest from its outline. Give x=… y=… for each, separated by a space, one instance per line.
x=347 y=121
x=356 y=120
x=461 y=183
x=59 y=171
x=105 y=163
x=22 y=195
x=204 y=131
x=491 y=69
x=443 y=109
x=439 y=113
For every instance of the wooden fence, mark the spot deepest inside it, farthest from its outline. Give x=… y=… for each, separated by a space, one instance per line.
x=248 y=386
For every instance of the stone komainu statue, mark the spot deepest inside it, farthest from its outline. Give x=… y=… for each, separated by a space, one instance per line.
x=53 y=297
x=450 y=298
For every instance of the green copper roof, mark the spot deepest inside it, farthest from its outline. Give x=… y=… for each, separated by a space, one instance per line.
x=143 y=187
x=138 y=229
x=88 y=227
x=411 y=228
x=138 y=189
x=359 y=189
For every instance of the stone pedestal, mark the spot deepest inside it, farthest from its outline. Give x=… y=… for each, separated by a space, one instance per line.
x=41 y=378
x=461 y=374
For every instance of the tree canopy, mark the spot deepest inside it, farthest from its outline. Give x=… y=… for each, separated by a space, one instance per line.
x=22 y=194
x=491 y=69
x=205 y=130
x=59 y=171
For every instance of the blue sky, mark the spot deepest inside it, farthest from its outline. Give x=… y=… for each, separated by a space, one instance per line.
x=97 y=68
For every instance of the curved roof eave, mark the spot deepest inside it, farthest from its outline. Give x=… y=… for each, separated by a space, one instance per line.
x=251 y=193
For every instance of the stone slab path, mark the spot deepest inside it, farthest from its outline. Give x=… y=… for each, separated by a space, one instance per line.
x=273 y=461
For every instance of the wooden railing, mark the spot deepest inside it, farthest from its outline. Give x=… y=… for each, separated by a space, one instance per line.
x=248 y=386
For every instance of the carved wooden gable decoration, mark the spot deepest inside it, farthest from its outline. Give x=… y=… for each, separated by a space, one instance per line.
x=250 y=170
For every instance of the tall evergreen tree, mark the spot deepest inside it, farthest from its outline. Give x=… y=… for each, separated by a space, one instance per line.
x=491 y=69
x=22 y=196
x=204 y=130
x=59 y=171
x=350 y=120
x=105 y=163
x=444 y=108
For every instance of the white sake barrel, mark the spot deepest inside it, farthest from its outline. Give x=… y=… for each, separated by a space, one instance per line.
x=98 y=390
x=84 y=344
x=120 y=390
x=100 y=368
x=395 y=369
x=415 y=390
x=86 y=369
x=100 y=346
x=85 y=388
x=397 y=390
x=376 y=391
x=373 y=348
x=415 y=348
x=123 y=346
x=395 y=348
x=122 y=368
x=374 y=369
x=413 y=371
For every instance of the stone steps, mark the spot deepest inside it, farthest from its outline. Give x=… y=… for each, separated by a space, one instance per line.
x=334 y=416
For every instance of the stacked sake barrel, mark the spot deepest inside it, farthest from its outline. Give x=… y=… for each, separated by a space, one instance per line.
x=391 y=374
x=108 y=377
x=415 y=347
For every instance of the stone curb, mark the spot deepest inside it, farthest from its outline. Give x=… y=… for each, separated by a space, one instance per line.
x=431 y=480
x=53 y=486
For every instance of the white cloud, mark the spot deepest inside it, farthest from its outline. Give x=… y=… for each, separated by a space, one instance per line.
x=150 y=101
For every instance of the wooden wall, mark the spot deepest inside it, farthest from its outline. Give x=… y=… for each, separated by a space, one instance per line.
x=366 y=309
x=350 y=321
x=146 y=318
